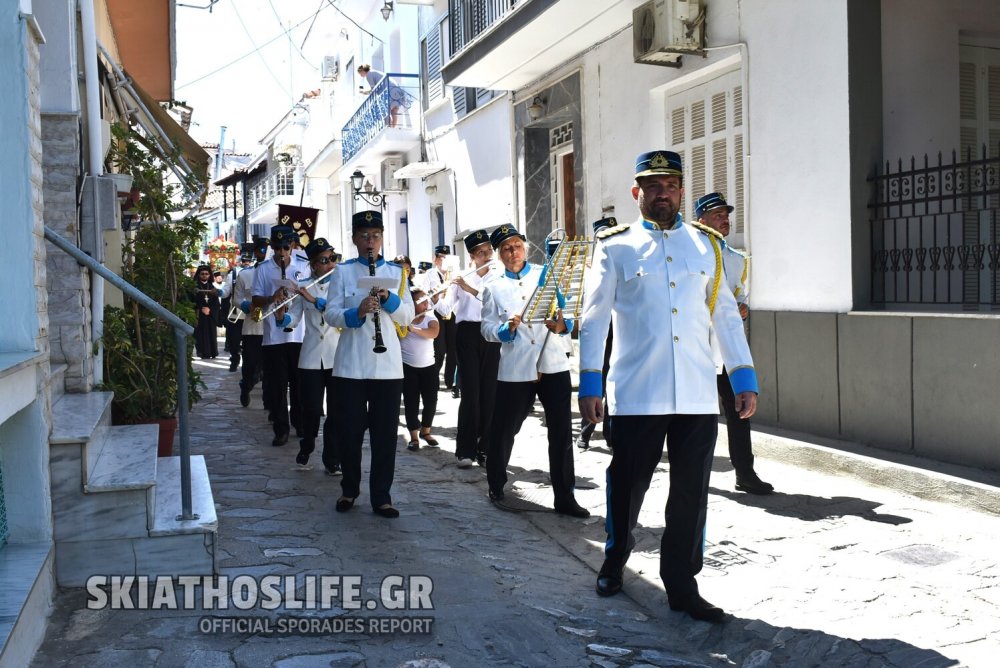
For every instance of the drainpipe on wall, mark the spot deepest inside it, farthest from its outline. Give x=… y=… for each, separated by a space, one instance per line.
x=95 y=166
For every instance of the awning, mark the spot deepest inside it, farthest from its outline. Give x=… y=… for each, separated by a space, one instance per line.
x=173 y=133
x=419 y=170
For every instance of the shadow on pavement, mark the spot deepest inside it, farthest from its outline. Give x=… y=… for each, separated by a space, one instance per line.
x=812 y=508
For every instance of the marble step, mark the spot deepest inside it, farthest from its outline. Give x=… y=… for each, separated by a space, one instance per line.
x=124 y=459
x=167 y=499
x=75 y=417
x=57 y=380
x=173 y=555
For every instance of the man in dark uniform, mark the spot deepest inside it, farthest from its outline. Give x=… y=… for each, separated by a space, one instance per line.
x=659 y=279
x=445 y=345
x=252 y=332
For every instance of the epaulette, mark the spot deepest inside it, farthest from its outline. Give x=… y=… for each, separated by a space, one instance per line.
x=707 y=230
x=611 y=231
x=743 y=254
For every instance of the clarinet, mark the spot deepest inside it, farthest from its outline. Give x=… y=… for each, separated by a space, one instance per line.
x=284 y=293
x=379 y=343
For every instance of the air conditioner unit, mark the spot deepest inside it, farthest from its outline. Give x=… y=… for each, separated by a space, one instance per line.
x=330 y=68
x=664 y=30
x=99 y=211
x=389 y=167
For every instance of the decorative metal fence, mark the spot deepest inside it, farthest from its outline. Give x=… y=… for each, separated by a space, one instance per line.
x=936 y=234
x=267 y=186
x=387 y=106
x=3 y=512
x=470 y=18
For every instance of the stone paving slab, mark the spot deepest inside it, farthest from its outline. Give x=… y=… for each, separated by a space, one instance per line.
x=829 y=571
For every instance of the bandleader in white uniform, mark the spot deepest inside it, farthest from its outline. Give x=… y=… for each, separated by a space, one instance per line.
x=659 y=281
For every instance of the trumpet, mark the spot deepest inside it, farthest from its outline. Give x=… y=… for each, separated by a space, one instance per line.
x=447 y=284
x=280 y=305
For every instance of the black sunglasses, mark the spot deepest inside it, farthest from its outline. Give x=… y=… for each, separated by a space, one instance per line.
x=281 y=246
x=325 y=260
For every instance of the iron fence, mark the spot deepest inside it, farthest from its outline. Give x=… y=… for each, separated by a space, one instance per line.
x=934 y=233
x=470 y=18
x=387 y=106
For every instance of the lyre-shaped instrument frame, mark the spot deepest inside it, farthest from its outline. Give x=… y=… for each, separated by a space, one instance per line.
x=563 y=280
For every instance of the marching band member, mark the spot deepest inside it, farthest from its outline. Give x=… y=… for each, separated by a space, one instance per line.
x=369 y=384
x=658 y=280
x=319 y=347
x=253 y=331
x=446 y=344
x=478 y=358
x=533 y=363
x=419 y=374
x=280 y=345
x=712 y=211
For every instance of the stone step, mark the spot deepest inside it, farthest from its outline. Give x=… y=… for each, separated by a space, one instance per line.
x=167 y=499
x=27 y=585
x=125 y=459
x=57 y=380
x=172 y=555
x=75 y=417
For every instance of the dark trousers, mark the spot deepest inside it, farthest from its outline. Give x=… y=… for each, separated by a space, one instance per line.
x=281 y=366
x=553 y=390
x=313 y=383
x=419 y=383
x=252 y=363
x=737 y=429
x=446 y=350
x=371 y=405
x=638 y=447
x=478 y=365
x=234 y=333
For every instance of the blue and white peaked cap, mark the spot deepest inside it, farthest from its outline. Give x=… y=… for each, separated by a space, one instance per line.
x=658 y=162
x=706 y=203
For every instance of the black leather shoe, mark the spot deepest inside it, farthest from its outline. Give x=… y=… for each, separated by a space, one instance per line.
x=573 y=509
x=386 y=511
x=496 y=496
x=456 y=393
x=344 y=504
x=697 y=607
x=481 y=459
x=609 y=581
x=751 y=484
x=280 y=439
x=244 y=397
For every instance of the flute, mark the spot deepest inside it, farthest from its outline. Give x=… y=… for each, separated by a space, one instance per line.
x=447 y=284
x=288 y=301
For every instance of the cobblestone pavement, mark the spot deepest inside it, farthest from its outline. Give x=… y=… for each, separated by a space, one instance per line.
x=829 y=571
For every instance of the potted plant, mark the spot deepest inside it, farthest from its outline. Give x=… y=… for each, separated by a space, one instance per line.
x=140 y=364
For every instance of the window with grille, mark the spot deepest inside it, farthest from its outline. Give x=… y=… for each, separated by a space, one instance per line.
x=705 y=126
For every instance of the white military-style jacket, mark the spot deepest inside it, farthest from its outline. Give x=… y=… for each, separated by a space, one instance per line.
x=532 y=349
x=354 y=357
x=654 y=286
x=242 y=297
x=266 y=278
x=319 y=341
x=737 y=278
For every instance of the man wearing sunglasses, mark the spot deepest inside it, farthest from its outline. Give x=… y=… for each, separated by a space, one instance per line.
x=272 y=283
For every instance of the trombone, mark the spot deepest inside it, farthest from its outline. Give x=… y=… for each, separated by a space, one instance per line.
x=259 y=314
x=490 y=266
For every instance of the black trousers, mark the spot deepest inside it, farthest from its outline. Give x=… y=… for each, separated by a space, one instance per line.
x=553 y=390
x=419 y=383
x=252 y=363
x=313 y=383
x=737 y=429
x=478 y=365
x=371 y=405
x=281 y=366
x=638 y=447
x=446 y=351
x=234 y=333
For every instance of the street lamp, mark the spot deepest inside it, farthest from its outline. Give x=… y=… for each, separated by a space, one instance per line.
x=364 y=190
x=386 y=10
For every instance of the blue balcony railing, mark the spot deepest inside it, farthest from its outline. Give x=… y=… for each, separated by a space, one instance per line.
x=387 y=106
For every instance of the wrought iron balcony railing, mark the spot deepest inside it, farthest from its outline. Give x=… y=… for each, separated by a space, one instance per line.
x=936 y=233
x=470 y=18
x=388 y=105
x=270 y=185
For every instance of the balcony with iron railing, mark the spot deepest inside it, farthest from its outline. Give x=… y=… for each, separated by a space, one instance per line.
x=387 y=121
x=507 y=44
x=270 y=185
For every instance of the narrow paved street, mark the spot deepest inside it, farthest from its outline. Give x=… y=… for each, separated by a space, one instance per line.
x=829 y=571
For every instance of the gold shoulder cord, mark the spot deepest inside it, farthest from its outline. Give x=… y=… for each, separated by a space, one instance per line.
x=718 y=275
x=402 y=330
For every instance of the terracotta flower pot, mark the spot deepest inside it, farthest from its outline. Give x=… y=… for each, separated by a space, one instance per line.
x=165 y=445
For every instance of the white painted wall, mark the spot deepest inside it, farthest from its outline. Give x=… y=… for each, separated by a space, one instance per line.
x=920 y=50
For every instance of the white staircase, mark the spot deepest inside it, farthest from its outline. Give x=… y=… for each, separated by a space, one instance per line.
x=115 y=503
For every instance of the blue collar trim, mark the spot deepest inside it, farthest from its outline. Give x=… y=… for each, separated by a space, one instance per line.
x=524 y=272
x=678 y=220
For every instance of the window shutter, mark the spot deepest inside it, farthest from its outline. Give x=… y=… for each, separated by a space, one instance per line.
x=677 y=126
x=433 y=82
x=458 y=99
x=698 y=120
x=737 y=195
x=697 y=173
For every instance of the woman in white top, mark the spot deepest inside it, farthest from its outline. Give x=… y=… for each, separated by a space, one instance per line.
x=419 y=373
x=319 y=347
